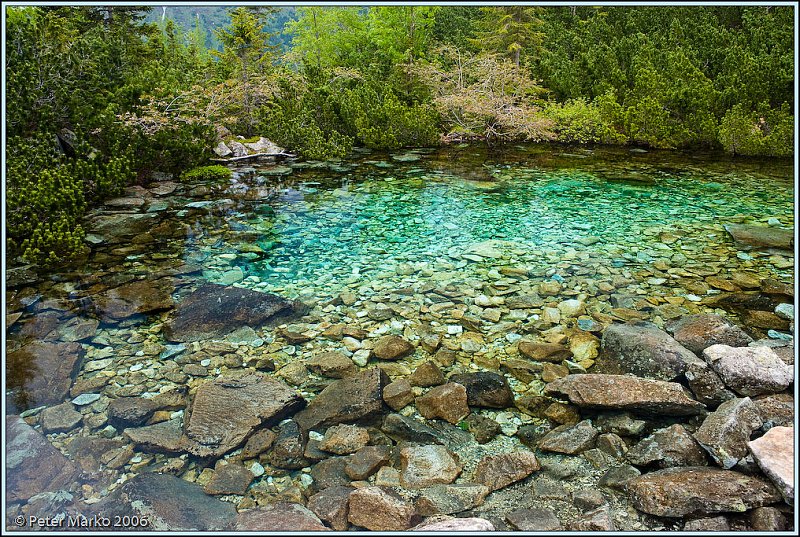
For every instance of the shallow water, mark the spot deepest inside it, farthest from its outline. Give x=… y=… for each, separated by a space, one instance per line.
x=432 y=235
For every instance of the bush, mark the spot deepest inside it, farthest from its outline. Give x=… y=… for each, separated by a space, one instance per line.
x=762 y=132
x=207 y=173
x=578 y=121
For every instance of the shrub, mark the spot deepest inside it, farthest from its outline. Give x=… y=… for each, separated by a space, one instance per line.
x=207 y=173
x=578 y=121
x=763 y=132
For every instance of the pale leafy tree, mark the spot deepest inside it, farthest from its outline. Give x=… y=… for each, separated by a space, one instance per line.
x=485 y=96
x=402 y=33
x=326 y=37
x=510 y=30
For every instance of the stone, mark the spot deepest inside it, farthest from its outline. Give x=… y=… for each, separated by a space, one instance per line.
x=126 y=412
x=588 y=499
x=668 y=447
x=618 y=476
x=499 y=471
x=571 y=308
x=777 y=409
x=168 y=503
x=583 y=346
x=214 y=311
x=351 y=399
x=422 y=466
x=485 y=389
x=392 y=348
x=547 y=352
x=455 y=525
x=482 y=428
x=698 y=332
x=596 y=520
x=278 y=517
x=449 y=499
x=785 y=311
x=399 y=427
x=706 y=524
x=426 y=375
x=533 y=404
x=761 y=236
x=642 y=349
x=545 y=488
x=562 y=414
x=774 y=452
x=222 y=150
x=289 y=447
x=444 y=358
x=229 y=479
x=535 y=519
x=621 y=423
x=331 y=506
x=366 y=461
x=164 y=437
x=344 y=439
x=60 y=418
x=549 y=288
x=551 y=372
x=118 y=227
x=330 y=473
x=767 y=519
x=725 y=432
x=398 y=394
x=332 y=364
x=135 y=298
x=258 y=443
x=745 y=280
x=612 y=444
x=706 y=385
x=61 y=361
x=749 y=370
x=622 y=392
x=228 y=410
x=677 y=492
x=570 y=439
x=379 y=509
x=766 y=320
x=33 y=465
x=78 y=329
x=447 y=402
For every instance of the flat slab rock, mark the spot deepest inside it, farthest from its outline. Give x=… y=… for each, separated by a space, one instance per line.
x=135 y=298
x=761 y=236
x=622 y=392
x=279 y=516
x=677 y=492
x=698 y=332
x=61 y=363
x=33 y=465
x=213 y=311
x=774 y=453
x=226 y=411
x=749 y=370
x=169 y=504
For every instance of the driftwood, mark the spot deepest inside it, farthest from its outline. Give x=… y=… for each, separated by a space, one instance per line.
x=254 y=155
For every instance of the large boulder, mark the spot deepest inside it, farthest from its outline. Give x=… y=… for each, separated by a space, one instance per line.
x=33 y=465
x=380 y=509
x=570 y=439
x=622 y=392
x=41 y=373
x=214 y=311
x=725 y=432
x=698 y=332
x=667 y=448
x=644 y=350
x=135 y=298
x=761 y=236
x=422 y=466
x=278 y=517
x=227 y=411
x=677 y=492
x=774 y=453
x=498 y=471
x=749 y=370
x=352 y=399
x=168 y=503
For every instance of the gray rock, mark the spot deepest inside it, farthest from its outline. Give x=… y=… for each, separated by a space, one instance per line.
x=668 y=447
x=33 y=465
x=570 y=439
x=596 y=520
x=706 y=385
x=355 y=398
x=644 y=350
x=455 y=525
x=126 y=412
x=423 y=466
x=698 y=332
x=706 y=524
x=725 y=432
x=625 y=393
x=785 y=311
x=168 y=503
x=445 y=499
x=618 y=476
x=485 y=389
x=536 y=519
x=677 y=492
x=767 y=519
x=588 y=499
x=288 y=450
x=399 y=427
x=777 y=409
x=228 y=410
x=499 y=471
x=332 y=505
x=749 y=370
x=222 y=150
x=621 y=423
x=278 y=517
x=60 y=418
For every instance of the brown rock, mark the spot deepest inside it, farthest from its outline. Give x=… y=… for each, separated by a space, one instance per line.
x=164 y=437
x=139 y=297
x=668 y=447
x=676 y=492
x=426 y=375
x=344 y=439
x=332 y=364
x=278 y=517
x=398 y=394
x=625 y=393
x=498 y=471
x=447 y=402
x=288 y=451
x=379 y=509
x=551 y=372
x=450 y=499
x=767 y=519
x=544 y=352
x=33 y=465
x=761 y=236
x=706 y=385
x=697 y=332
x=597 y=520
x=562 y=414
x=332 y=505
x=226 y=411
x=330 y=473
x=707 y=524
x=392 y=348
x=570 y=439
x=774 y=453
x=60 y=418
x=355 y=398
x=777 y=409
x=229 y=479
x=536 y=519
x=725 y=432
x=366 y=461
x=25 y=372
x=422 y=466
x=485 y=389
x=765 y=320
x=130 y=411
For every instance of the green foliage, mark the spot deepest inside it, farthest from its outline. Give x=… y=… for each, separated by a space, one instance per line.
x=207 y=173
x=760 y=132
x=510 y=30
x=579 y=121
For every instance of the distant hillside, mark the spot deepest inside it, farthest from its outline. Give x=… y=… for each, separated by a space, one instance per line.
x=212 y=17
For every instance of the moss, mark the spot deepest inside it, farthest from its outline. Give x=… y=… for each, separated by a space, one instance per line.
x=207 y=173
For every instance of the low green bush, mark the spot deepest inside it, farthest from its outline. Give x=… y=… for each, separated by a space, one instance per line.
x=763 y=132
x=579 y=121
x=207 y=173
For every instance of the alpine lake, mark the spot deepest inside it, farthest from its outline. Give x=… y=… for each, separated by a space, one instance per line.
x=460 y=252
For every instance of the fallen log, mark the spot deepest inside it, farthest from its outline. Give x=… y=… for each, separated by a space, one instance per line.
x=254 y=155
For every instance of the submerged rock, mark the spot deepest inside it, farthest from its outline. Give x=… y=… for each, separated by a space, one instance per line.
x=41 y=373
x=139 y=297
x=213 y=311
x=698 y=332
x=278 y=517
x=498 y=471
x=761 y=236
x=380 y=509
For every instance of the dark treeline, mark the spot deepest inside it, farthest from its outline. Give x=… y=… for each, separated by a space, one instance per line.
x=128 y=97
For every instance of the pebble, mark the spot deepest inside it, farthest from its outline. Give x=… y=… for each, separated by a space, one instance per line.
x=86 y=399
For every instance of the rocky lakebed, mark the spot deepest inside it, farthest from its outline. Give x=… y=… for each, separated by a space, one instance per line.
x=547 y=339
